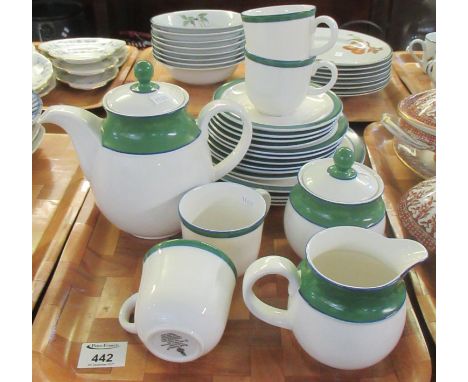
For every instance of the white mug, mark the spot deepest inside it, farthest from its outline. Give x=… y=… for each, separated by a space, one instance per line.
x=285 y=32
x=428 y=46
x=228 y=216
x=183 y=302
x=279 y=87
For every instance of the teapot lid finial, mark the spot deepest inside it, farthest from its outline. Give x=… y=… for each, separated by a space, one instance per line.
x=144 y=72
x=343 y=162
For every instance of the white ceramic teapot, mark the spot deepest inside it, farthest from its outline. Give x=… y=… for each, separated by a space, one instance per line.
x=147 y=152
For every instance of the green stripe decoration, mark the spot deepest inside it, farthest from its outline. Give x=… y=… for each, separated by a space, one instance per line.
x=348 y=304
x=279 y=63
x=327 y=214
x=221 y=234
x=193 y=244
x=278 y=17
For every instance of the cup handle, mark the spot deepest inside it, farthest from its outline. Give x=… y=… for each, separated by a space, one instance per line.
x=266 y=195
x=128 y=307
x=333 y=34
x=233 y=159
x=270 y=265
x=334 y=75
x=430 y=70
x=392 y=126
x=410 y=49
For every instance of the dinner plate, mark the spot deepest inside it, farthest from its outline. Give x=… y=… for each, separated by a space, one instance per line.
x=360 y=70
x=314 y=110
x=351 y=80
x=42 y=71
x=38 y=139
x=86 y=69
x=87 y=82
x=36 y=107
x=276 y=184
x=352 y=48
x=198 y=20
x=363 y=86
x=349 y=93
x=357 y=74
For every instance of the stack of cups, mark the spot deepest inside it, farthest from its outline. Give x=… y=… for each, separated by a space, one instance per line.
x=280 y=56
x=428 y=60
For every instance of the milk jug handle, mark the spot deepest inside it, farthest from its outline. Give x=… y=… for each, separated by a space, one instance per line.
x=233 y=159
x=270 y=265
x=128 y=307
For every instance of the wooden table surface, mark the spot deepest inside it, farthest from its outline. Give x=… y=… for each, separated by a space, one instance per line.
x=58 y=191
x=411 y=73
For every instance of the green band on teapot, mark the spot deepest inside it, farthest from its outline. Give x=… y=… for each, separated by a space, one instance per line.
x=327 y=214
x=361 y=306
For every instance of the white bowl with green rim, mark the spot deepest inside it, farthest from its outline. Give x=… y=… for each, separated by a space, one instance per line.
x=218 y=47
x=228 y=216
x=197 y=61
x=198 y=21
x=183 y=301
x=333 y=192
x=207 y=41
x=197 y=38
x=198 y=76
x=197 y=65
x=199 y=57
x=314 y=112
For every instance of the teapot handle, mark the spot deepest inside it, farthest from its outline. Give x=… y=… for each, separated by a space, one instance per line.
x=270 y=265
x=233 y=159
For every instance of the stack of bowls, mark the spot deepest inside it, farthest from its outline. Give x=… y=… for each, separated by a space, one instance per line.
x=86 y=63
x=43 y=78
x=37 y=129
x=281 y=145
x=198 y=47
x=364 y=62
x=415 y=132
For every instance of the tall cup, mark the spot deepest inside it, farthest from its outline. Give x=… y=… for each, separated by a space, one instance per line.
x=285 y=32
x=428 y=47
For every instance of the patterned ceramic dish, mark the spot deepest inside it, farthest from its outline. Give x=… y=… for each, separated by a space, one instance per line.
x=86 y=69
x=36 y=107
x=417 y=212
x=198 y=21
x=420 y=111
x=82 y=50
x=48 y=87
x=87 y=82
x=42 y=71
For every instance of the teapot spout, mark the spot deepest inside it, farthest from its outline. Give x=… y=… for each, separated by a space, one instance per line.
x=84 y=129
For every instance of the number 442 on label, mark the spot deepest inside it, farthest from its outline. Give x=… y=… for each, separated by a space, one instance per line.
x=102 y=354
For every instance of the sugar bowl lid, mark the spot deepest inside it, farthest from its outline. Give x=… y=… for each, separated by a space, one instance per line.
x=420 y=110
x=340 y=179
x=145 y=98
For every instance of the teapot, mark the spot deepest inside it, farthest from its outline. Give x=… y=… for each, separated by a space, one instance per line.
x=347 y=298
x=147 y=152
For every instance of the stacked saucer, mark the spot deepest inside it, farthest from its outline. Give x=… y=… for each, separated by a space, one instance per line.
x=86 y=63
x=364 y=62
x=43 y=78
x=198 y=46
x=37 y=129
x=280 y=145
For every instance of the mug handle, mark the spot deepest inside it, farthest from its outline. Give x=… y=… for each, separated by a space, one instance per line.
x=334 y=75
x=392 y=126
x=333 y=26
x=430 y=70
x=128 y=307
x=266 y=195
x=410 y=49
x=270 y=265
x=233 y=159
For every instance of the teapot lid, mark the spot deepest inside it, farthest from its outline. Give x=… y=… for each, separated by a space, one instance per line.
x=145 y=98
x=340 y=179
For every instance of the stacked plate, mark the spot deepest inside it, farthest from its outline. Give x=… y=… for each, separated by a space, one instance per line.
x=198 y=46
x=86 y=63
x=280 y=145
x=364 y=62
x=37 y=129
x=43 y=78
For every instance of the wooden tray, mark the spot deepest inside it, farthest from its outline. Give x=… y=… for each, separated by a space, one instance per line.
x=88 y=99
x=367 y=108
x=101 y=266
x=58 y=191
x=398 y=179
x=411 y=73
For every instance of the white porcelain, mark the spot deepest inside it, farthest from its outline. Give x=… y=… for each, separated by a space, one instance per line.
x=36 y=107
x=87 y=82
x=202 y=65
x=428 y=46
x=42 y=71
x=353 y=49
x=227 y=216
x=197 y=56
x=334 y=341
x=209 y=48
x=431 y=70
x=279 y=91
x=287 y=40
x=197 y=61
x=87 y=69
x=200 y=76
x=175 y=38
x=198 y=21
x=140 y=193
x=183 y=301
x=48 y=87
x=38 y=138
x=363 y=86
x=82 y=50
